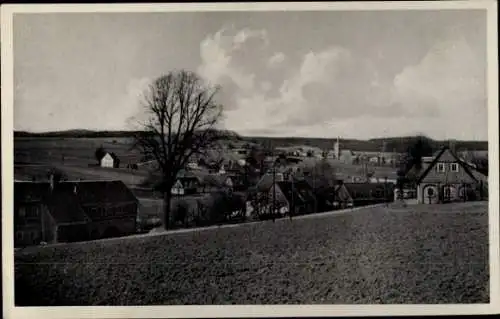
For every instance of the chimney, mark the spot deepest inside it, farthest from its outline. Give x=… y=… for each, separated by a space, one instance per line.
x=451 y=145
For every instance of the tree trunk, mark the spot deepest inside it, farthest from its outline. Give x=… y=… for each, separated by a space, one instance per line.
x=167 y=199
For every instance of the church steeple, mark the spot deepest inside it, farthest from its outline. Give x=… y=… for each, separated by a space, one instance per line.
x=336 y=148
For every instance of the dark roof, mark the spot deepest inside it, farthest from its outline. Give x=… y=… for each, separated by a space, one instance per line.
x=64 y=207
x=437 y=155
x=321 y=181
x=90 y=192
x=302 y=192
x=62 y=204
x=266 y=181
x=215 y=180
x=30 y=191
x=368 y=190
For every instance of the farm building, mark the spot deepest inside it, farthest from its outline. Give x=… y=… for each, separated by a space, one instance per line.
x=110 y=160
x=347 y=156
x=360 y=194
x=324 y=189
x=278 y=174
x=447 y=178
x=189 y=183
x=375 y=179
x=202 y=182
x=72 y=211
x=295 y=196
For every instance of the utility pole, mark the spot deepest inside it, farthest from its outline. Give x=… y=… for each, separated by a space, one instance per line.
x=292 y=208
x=274 y=188
x=314 y=189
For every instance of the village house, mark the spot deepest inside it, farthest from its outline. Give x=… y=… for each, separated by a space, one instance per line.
x=278 y=174
x=70 y=211
x=361 y=194
x=203 y=182
x=447 y=178
x=291 y=196
x=188 y=183
x=110 y=160
x=377 y=179
x=324 y=191
x=219 y=182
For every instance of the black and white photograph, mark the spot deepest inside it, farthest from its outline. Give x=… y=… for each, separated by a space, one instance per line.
x=189 y=155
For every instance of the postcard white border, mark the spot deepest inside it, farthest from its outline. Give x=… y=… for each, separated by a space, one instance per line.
x=244 y=311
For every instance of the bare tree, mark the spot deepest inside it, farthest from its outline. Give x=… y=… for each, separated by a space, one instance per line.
x=181 y=120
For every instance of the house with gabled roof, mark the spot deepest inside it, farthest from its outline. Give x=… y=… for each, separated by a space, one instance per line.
x=360 y=194
x=70 y=211
x=295 y=196
x=447 y=178
x=189 y=183
x=109 y=160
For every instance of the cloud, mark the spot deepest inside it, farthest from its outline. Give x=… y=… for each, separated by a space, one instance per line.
x=244 y=35
x=276 y=59
x=450 y=77
x=218 y=65
x=336 y=85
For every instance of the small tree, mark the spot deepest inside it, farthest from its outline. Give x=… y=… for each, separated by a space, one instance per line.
x=180 y=213
x=57 y=175
x=419 y=148
x=182 y=115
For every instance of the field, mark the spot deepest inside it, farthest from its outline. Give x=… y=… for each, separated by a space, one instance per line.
x=417 y=254
x=35 y=156
x=40 y=150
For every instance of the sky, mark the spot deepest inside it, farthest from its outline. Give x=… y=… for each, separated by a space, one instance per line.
x=353 y=74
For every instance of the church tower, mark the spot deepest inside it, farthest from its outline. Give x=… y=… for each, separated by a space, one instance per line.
x=336 y=148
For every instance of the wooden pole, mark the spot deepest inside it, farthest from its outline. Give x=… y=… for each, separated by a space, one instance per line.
x=292 y=208
x=274 y=188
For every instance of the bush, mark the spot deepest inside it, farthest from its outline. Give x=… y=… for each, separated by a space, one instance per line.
x=179 y=214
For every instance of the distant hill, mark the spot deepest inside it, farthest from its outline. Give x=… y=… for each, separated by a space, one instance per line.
x=95 y=134
x=76 y=134
x=397 y=144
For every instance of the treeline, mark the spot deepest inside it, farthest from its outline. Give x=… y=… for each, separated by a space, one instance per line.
x=101 y=134
x=391 y=144
x=78 y=134
x=396 y=144
x=401 y=144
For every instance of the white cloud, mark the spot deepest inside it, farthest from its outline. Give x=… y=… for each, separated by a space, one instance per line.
x=332 y=87
x=449 y=78
x=216 y=53
x=266 y=86
x=244 y=35
x=276 y=59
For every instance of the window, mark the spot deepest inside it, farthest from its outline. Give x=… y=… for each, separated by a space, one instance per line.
x=22 y=212
x=454 y=167
x=440 y=167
